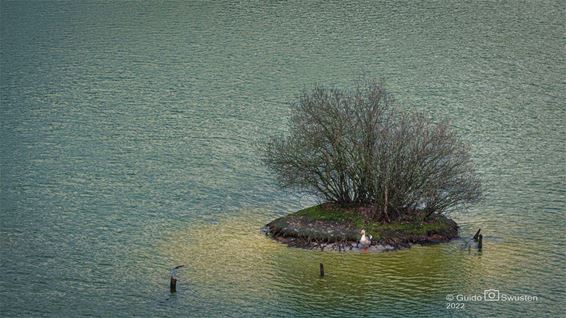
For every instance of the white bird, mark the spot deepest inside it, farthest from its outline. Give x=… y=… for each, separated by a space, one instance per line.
x=365 y=241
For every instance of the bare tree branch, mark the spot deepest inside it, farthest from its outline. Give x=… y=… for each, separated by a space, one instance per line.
x=354 y=147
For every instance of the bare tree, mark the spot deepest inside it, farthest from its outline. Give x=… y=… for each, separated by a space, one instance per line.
x=356 y=148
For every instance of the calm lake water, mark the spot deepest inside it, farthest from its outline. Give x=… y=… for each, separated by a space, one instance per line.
x=128 y=146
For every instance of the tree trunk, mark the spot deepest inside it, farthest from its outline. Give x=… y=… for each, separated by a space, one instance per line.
x=385 y=207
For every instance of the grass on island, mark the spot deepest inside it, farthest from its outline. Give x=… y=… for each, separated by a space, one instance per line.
x=333 y=224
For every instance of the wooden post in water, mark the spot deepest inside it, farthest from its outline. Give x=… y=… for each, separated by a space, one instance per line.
x=480 y=242
x=476 y=237
x=173 y=285
x=173 y=281
x=321 y=270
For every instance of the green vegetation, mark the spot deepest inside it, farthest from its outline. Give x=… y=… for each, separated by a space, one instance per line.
x=328 y=223
x=389 y=171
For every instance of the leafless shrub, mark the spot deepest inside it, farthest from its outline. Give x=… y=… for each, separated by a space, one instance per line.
x=356 y=148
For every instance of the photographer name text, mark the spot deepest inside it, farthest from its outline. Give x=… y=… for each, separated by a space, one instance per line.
x=491 y=295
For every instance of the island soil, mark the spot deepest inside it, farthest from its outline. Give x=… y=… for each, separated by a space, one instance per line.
x=329 y=227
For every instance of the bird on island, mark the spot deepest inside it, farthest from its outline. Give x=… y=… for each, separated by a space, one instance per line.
x=365 y=241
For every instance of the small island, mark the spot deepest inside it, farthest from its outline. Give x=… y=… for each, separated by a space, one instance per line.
x=331 y=227
x=380 y=169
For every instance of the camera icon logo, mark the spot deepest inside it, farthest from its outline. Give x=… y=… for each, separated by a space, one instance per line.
x=491 y=295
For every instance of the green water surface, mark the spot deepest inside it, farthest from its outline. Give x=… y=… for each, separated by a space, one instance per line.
x=128 y=146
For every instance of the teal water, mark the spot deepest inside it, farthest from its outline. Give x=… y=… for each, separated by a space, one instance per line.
x=128 y=146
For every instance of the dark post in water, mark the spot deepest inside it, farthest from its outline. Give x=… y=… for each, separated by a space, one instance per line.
x=173 y=285
x=476 y=237
x=173 y=282
x=321 y=270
